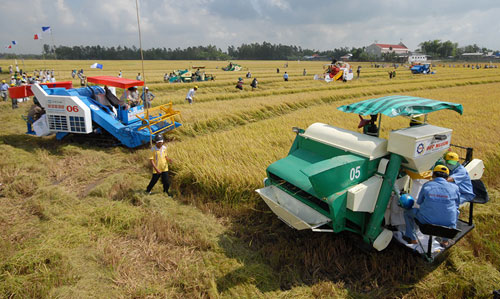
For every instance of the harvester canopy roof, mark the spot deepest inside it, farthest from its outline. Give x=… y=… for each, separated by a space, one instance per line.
x=115 y=81
x=399 y=106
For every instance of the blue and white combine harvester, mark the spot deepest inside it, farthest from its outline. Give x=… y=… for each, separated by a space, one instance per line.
x=424 y=68
x=95 y=113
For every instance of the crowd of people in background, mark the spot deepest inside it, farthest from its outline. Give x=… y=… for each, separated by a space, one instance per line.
x=18 y=78
x=80 y=76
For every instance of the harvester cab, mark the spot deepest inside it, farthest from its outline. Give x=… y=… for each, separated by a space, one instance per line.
x=336 y=180
x=340 y=71
x=96 y=112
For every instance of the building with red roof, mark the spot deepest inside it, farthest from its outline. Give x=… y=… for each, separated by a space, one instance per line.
x=379 y=49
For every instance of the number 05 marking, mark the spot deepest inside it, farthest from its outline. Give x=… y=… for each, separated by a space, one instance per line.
x=355 y=173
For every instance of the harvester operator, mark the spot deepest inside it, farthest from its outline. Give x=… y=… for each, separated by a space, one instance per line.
x=131 y=96
x=459 y=176
x=438 y=200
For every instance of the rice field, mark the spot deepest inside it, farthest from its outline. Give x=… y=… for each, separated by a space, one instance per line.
x=74 y=220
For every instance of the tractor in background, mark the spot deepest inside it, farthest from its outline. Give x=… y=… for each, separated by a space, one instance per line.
x=337 y=180
x=95 y=113
x=232 y=67
x=424 y=68
x=189 y=76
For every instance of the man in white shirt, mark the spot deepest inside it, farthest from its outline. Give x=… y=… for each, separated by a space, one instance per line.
x=190 y=94
x=147 y=97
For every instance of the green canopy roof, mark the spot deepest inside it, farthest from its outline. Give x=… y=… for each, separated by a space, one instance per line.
x=399 y=105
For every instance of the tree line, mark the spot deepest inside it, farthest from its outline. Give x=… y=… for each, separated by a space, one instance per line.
x=253 y=51
x=448 y=49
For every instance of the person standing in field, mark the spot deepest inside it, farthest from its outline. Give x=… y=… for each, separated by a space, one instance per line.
x=159 y=161
x=254 y=83
x=190 y=94
x=139 y=77
x=120 y=74
x=239 y=84
x=358 y=71
x=147 y=97
x=285 y=76
x=14 y=101
x=3 y=90
x=304 y=72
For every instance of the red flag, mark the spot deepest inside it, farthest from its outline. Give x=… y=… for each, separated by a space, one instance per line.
x=36 y=36
x=10 y=46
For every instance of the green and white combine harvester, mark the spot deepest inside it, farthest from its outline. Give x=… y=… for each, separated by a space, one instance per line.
x=189 y=76
x=232 y=67
x=336 y=180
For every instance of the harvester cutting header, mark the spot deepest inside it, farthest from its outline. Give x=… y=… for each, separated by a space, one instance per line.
x=336 y=180
x=95 y=112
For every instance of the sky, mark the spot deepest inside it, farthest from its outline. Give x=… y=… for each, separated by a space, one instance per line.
x=319 y=25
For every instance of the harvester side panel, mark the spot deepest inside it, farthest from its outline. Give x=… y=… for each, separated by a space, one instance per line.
x=349 y=141
x=332 y=175
x=65 y=112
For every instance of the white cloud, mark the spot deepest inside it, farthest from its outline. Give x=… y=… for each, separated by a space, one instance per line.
x=321 y=24
x=66 y=15
x=280 y=4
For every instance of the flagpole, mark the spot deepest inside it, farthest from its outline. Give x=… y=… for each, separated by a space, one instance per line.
x=140 y=38
x=39 y=39
x=53 y=44
x=142 y=62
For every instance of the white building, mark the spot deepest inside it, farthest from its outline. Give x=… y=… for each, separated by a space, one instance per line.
x=416 y=57
x=379 y=49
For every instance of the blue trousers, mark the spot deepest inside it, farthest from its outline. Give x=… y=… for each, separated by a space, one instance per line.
x=409 y=216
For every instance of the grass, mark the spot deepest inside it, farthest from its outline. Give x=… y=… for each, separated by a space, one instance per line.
x=75 y=223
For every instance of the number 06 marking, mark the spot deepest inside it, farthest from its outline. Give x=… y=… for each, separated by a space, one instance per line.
x=355 y=173
x=72 y=108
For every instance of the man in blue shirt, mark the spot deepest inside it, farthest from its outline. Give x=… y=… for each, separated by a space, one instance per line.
x=459 y=176
x=438 y=200
x=3 y=90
